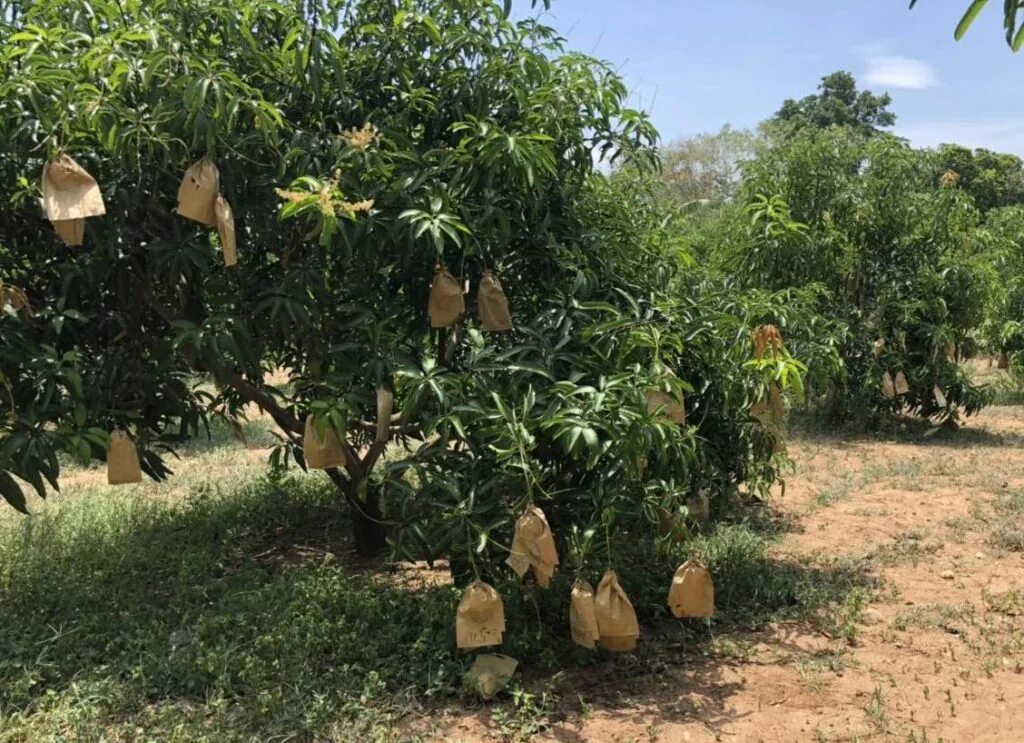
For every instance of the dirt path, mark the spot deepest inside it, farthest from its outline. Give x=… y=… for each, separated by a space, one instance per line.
x=934 y=654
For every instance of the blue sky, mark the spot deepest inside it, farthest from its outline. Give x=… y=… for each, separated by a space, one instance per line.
x=696 y=64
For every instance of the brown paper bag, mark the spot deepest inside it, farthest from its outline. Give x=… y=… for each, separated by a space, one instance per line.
x=71 y=231
x=692 y=594
x=385 y=404
x=446 y=303
x=490 y=673
x=888 y=388
x=533 y=545
x=879 y=348
x=321 y=453
x=122 y=460
x=617 y=626
x=671 y=404
x=1004 y=361
x=764 y=338
x=480 y=617
x=583 y=615
x=492 y=305
x=197 y=194
x=15 y=297
x=69 y=193
x=225 y=219
x=901 y=385
x=939 y=395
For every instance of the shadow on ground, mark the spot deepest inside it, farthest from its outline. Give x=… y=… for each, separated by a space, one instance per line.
x=239 y=616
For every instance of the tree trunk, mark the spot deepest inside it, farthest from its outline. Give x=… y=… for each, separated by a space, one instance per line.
x=368 y=530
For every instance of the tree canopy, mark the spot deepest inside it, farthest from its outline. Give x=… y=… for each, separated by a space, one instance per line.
x=362 y=146
x=838 y=103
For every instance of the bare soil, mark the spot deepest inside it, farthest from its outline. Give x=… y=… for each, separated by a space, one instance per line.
x=937 y=651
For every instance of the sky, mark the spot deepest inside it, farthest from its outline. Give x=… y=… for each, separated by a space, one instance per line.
x=697 y=64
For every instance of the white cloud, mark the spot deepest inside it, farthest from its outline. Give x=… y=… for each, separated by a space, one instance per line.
x=900 y=72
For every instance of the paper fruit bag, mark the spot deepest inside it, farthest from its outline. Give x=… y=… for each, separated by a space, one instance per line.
x=492 y=304
x=533 y=545
x=617 y=626
x=692 y=593
x=122 y=460
x=583 y=615
x=225 y=220
x=324 y=452
x=480 y=617
x=197 y=194
x=446 y=304
x=70 y=195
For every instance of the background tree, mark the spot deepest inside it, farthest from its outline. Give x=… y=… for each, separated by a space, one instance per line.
x=706 y=168
x=837 y=103
x=993 y=179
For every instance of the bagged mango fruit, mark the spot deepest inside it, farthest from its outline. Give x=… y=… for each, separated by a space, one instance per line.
x=583 y=615
x=692 y=593
x=888 y=388
x=122 y=460
x=617 y=627
x=70 y=196
x=902 y=388
x=321 y=452
x=197 y=194
x=225 y=219
x=480 y=617
x=492 y=305
x=385 y=404
x=533 y=545
x=446 y=304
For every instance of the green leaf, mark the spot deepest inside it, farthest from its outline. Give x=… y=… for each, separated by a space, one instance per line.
x=11 y=492
x=968 y=18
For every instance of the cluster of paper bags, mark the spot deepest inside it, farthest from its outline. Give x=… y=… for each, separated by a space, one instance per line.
x=447 y=304
x=604 y=618
x=71 y=195
x=897 y=386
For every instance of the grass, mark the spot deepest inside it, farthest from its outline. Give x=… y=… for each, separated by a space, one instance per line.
x=1008 y=522
x=222 y=606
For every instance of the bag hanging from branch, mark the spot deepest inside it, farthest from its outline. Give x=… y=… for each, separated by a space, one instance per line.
x=533 y=545
x=888 y=388
x=764 y=338
x=71 y=231
x=225 y=219
x=324 y=452
x=197 y=194
x=939 y=395
x=1004 y=361
x=583 y=615
x=692 y=593
x=446 y=303
x=902 y=388
x=657 y=398
x=480 y=617
x=491 y=673
x=879 y=348
x=492 y=305
x=670 y=404
x=70 y=195
x=15 y=297
x=617 y=627
x=122 y=460
x=385 y=404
